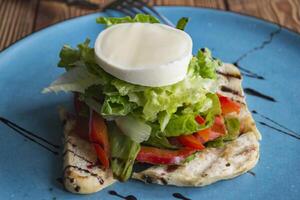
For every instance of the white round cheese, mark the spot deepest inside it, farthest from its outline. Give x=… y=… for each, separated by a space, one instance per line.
x=144 y=54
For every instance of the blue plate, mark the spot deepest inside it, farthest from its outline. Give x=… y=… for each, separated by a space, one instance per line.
x=28 y=171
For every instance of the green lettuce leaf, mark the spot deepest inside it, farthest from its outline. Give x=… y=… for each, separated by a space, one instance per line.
x=204 y=65
x=134 y=128
x=75 y=80
x=158 y=139
x=123 y=153
x=182 y=22
x=109 y=21
x=185 y=124
x=233 y=128
x=169 y=98
x=217 y=143
x=116 y=105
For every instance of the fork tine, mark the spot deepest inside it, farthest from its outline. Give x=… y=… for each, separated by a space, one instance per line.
x=152 y=9
x=126 y=5
x=133 y=7
x=126 y=11
x=136 y=5
x=141 y=4
x=119 y=6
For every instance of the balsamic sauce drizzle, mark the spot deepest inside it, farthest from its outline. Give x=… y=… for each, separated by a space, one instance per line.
x=248 y=73
x=286 y=130
x=279 y=130
x=79 y=156
x=251 y=173
x=253 y=92
x=129 y=197
x=271 y=120
x=31 y=136
x=180 y=196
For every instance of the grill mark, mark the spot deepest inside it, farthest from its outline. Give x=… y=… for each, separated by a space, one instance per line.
x=164 y=181
x=229 y=90
x=101 y=181
x=246 y=150
x=228 y=75
x=77 y=188
x=172 y=168
x=147 y=178
x=240 y=102
x=220 y=155
x=77 y=155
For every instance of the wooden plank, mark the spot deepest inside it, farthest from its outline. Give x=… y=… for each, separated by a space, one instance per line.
x=200 y=3
x=16 y=20
x=283 y=12
x=51 y=12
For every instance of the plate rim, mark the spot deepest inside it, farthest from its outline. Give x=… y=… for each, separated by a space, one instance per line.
x=34 y=33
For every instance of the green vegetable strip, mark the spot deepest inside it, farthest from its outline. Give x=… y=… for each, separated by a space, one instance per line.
x=181 y=24
x=123 y=153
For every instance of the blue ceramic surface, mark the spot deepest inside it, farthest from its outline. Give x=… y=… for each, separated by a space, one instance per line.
x=30 y=172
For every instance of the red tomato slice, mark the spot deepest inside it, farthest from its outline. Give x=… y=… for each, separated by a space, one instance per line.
x=156 y=156
x=99 y=138
x=228 y=106
x=199 y=119
x=218 y=129
x=219 y=125
x=191 y=142
x=203 y=136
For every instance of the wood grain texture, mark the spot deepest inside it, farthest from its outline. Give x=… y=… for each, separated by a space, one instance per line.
x=17 y=19
x=50 y=12
x=283 y=12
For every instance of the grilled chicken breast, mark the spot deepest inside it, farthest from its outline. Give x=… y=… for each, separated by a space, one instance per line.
x=214 y=164
x=81 y=175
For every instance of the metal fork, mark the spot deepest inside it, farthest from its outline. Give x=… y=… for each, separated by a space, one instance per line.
x=133 y=7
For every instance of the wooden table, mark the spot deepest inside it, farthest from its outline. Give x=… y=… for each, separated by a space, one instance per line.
x=19 y=18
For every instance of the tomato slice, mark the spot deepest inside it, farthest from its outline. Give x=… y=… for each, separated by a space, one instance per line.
x=99 y=138
x=219 y=125
x=191 y=141
x=156 y=156
x=218 y=129
x=203 y=136
x=228 y=106
x=199 y=119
